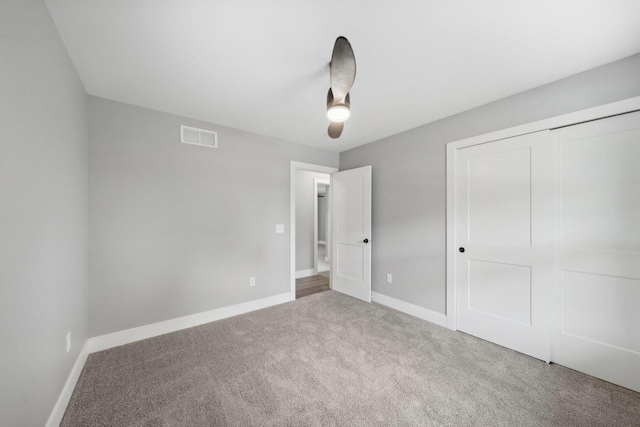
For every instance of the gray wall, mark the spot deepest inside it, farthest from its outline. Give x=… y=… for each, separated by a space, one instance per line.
x=409 y=175
x=178 y=229
x=304 y=217
x=43 y=213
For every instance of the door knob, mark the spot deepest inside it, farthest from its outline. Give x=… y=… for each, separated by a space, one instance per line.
x=366 y=240
x=461 y=250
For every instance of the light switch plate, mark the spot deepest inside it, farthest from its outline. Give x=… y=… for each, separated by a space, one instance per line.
x=389 y=278
x=279 y=228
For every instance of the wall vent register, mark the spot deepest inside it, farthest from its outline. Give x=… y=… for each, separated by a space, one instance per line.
x=195 y=136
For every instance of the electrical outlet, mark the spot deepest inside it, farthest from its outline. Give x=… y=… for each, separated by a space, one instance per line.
x=68 y=341
x=389 y=278
x=279 y=228
x=252 y=281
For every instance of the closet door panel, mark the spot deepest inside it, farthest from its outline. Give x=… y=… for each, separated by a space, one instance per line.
x=597 y=297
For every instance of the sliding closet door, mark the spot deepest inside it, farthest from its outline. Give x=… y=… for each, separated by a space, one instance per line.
x=504 y=237
x=597 y=299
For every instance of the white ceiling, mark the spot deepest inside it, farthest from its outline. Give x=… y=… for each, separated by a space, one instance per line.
x=262 y=66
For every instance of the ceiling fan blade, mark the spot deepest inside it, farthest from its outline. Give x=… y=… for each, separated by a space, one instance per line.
x=335 y=129
x=343 y=68
x=330 y=99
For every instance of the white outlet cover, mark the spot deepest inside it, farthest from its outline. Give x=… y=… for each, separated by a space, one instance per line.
x=252 y=281
x=68 y=341
x=389 y=278
x=279 y=228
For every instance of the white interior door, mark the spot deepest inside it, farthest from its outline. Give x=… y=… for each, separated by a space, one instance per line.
x=351 y=246
x=504 y=227
x=597 y=329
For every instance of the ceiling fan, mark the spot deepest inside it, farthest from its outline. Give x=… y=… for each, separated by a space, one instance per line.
x=342 y=76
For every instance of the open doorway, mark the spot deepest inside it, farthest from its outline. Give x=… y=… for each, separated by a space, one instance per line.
x=310 y=229
x=321 y=223
x=319 y=279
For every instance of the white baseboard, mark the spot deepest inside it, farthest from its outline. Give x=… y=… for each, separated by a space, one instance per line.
x=65 y=395
x=413 y=310
x=127 y=336
x=305 y=273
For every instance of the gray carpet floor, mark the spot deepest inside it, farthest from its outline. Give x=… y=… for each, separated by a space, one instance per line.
x=331 y=360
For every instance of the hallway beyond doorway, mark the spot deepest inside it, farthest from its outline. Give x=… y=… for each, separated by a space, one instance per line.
x=306 y=286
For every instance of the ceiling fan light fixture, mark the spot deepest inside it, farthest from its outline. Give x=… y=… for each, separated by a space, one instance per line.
x=338 y=113
x=342 y=73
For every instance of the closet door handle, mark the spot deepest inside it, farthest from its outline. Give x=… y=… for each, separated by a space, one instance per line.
x=366 y=240
x=461 y=249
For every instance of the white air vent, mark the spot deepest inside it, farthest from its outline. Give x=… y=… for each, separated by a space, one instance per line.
x=206 y=138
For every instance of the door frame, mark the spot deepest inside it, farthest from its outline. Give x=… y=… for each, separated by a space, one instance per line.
x=594 y=113
x=293 y=167
x=317 y=181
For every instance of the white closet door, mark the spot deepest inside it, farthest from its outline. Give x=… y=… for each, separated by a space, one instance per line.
x=597 y=329
x=504 y=227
